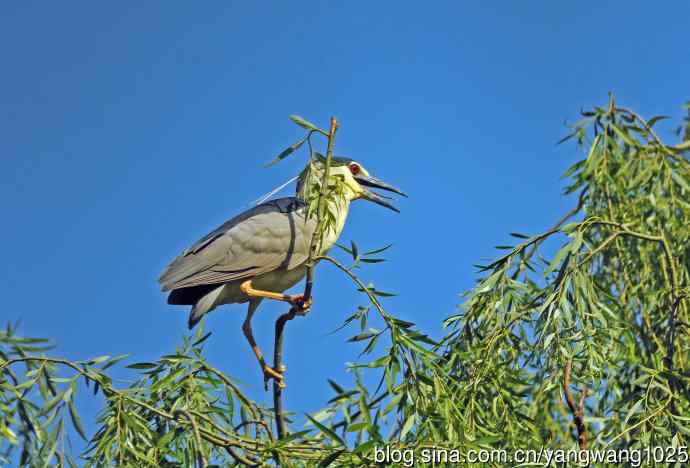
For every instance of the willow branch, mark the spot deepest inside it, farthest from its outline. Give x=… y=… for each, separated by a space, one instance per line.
x=316 y=236
x=197 y=436
x=306 y=298
x=277 y=363
x=228 y=383
x=670 y=349
x=556 y=227
x=670 y=150
x=576 y=411
x=257 y=422
x=240 y=459
x=372 y=298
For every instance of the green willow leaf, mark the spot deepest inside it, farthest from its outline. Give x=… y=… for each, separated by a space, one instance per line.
x=326 y=431
x=286 y=152
x=76 y=420
x=407 y=427
x=680 y=180
x=654 y=120
x=377 y=251
x=307 y=125
x=142 y=365
x=625 y=136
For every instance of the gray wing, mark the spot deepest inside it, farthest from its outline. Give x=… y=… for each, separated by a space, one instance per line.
x=267 y=237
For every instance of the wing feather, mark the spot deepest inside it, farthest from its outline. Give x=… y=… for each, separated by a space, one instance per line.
x=267 y=237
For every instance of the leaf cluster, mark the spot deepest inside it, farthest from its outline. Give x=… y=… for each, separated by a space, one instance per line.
x=578 y=334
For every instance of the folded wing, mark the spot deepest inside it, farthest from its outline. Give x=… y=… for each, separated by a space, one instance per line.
x=267 y=237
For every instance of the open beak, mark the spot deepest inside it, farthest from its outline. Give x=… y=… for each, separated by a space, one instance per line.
x=368 y=181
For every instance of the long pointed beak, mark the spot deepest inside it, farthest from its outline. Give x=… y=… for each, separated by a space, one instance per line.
x=370 y=181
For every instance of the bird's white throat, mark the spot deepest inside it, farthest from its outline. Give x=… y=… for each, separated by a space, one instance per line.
x=341 y=191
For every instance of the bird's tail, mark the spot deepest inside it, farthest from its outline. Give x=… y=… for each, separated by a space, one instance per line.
x=205 y=304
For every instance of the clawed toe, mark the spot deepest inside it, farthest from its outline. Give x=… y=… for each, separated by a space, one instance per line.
x=271 y=373
x=300 y=304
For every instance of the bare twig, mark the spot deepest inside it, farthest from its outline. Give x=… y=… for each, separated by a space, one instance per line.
x=277 y=363
x=577 y=411
x=283 y=319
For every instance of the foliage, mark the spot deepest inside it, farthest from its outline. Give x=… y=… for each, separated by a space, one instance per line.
x=611 y=303
x=181 y=410
x=588 y=346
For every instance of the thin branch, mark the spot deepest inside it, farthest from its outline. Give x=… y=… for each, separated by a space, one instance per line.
x=632 y=427
x=257 y=422
x=277 y=364
x=577 y=411
x=670 y=349
x=556 y=227
x=685 y=146
x=316 y=240
x=240 y=459
x=599 y=248
x=197 y=436
x=315 y=244
x=670 y=150
x=248 y=403
x=372 y=298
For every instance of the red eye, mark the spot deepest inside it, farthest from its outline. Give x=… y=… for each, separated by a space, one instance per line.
x=354 y=168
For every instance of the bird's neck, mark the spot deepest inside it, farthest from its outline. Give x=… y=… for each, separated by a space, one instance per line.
x=339 y=206
x=337 y=201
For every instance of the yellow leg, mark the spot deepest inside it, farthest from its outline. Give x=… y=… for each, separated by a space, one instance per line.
x=294 y=299
x=269 y=372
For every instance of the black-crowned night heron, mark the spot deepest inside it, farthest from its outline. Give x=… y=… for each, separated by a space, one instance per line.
x=262 y=252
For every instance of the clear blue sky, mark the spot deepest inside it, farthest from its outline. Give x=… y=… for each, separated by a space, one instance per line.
x=130 y=129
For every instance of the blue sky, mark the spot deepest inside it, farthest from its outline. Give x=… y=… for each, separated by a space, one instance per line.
x=130 y=129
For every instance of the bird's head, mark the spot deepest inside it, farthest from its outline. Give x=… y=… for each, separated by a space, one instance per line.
x=354 y=177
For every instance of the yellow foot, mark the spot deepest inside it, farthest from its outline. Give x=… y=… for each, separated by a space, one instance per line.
x=271 y=373
x=301 y=306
